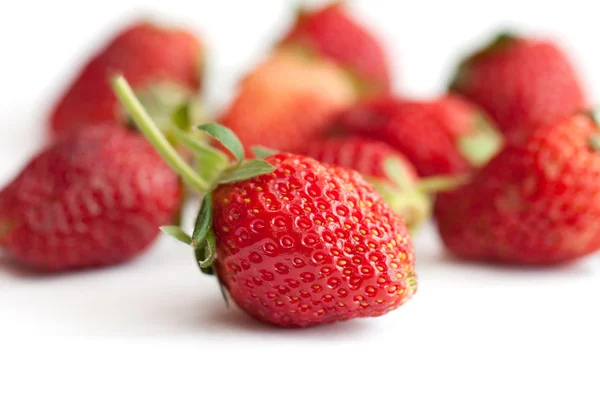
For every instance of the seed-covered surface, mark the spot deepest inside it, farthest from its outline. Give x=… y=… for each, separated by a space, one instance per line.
x=537 y=202
x=310 y=244
x=97 y=198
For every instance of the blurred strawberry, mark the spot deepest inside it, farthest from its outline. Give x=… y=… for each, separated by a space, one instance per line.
x=93 y=199
x=163 y=65
x=392 y=175
x=445 y=136
x=332 y=33
x=286 y=102
x=537 y=202
x=520 y=81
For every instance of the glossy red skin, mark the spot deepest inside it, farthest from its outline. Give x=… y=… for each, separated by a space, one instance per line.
x=425 y=132
x=365 y=156
x=291 y=251
x=332 y=33
x=537 y=202
x=94 y=199
x=524 y=83
x=145 y=54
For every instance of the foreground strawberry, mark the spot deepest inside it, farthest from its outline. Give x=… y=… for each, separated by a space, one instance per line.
x=520 y=81
x=445 y=136
x=537 y=202
x=331 y=33
x=294 y=242
x=286 y=101
x=94 y=199
x=163 y=65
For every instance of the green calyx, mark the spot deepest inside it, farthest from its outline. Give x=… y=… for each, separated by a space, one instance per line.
x=412 y=205
x=594 y=141
x=413 y=201
x=211 y=167
x=480 y=145
x=500 y=42
x=164 y=100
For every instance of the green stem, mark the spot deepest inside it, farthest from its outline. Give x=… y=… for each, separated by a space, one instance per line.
x=435 y=184
x=155 y=136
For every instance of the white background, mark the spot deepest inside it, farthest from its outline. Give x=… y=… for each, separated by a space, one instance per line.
x=158 y=329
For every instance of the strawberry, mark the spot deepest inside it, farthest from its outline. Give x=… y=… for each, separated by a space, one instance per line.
x=394 y=177
x=520 y=81
x=93 y=199
x=537 y=202
x=330 y=32
x=163 y=65
x=286 y=102
x=294 y=242
x=444 y=136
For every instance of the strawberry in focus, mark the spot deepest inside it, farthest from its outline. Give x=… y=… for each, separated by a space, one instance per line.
x=310 y=244
x=537 y=202
x=520 y=81
x=330 y=32
x=442 y=137
x=163 y=65
x=94 y=199
x=286 y=102
x=294 y=242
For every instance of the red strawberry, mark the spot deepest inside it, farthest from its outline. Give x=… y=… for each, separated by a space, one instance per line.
x=537 y=202
x=286 y=102
x=295 y=242
x=163 y=66
x=445 y=136
x=96 y=198
x=520 y=81
x=332 y=33
x=394 y=177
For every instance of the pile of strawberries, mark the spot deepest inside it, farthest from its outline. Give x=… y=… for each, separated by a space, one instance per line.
x=314 y=226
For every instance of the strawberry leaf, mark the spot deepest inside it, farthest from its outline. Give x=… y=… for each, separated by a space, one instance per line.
x=247 y=170
x=226 y=137
x=181 y=116
x=594 y=115
x=195 y=145
x=263 y=152
x=205 y=256
x=595 y=142
x=203 y=223
x=177 y=233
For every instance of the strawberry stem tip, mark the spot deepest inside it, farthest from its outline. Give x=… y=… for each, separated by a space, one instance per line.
x=155 y=136
x=442 y=183
x=213 y=165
